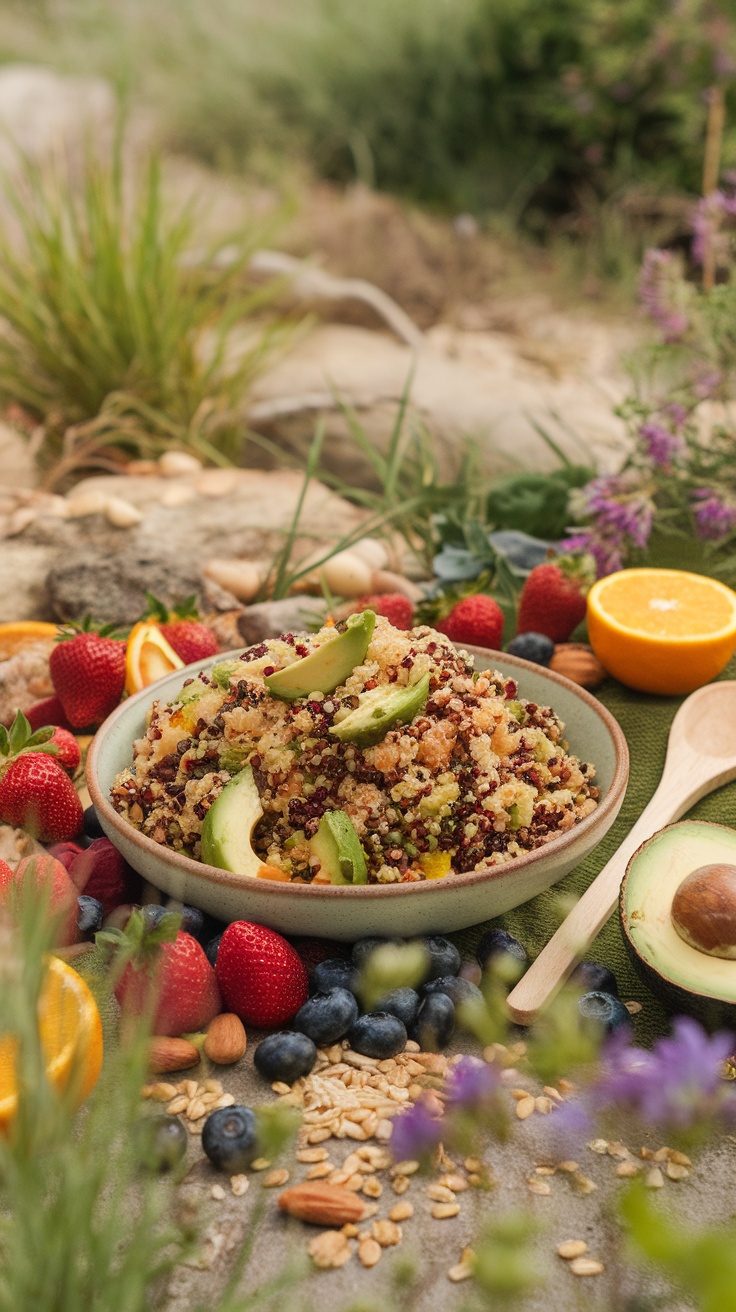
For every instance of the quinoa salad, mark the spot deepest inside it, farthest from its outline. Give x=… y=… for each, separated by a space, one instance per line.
x=478 y=777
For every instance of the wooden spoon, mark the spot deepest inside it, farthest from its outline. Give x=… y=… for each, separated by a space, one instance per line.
x=701 y=755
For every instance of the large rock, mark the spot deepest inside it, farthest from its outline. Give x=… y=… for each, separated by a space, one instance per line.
x=43 y=112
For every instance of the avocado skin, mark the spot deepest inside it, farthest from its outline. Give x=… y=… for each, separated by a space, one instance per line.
x=217 y=847
x=330 y=665
x=713 y=1013
x=366 y=726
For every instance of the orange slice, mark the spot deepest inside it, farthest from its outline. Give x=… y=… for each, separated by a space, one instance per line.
x=662 y=630
x=21 y=633
x=148 y=656
x=71 y=1038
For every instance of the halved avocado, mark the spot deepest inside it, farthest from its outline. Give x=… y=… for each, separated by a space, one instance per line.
x=337 y=845
x=229 y=824
x=687 y=979
x=381 y=709
x=330 y=665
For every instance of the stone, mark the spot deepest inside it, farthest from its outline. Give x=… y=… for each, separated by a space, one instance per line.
x=269 y=619
x=43 y=112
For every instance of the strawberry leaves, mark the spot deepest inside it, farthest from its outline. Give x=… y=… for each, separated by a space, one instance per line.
x=22 y=738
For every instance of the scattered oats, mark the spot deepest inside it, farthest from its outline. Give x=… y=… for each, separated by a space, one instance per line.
x=473 y=1164
x=524 y=1108
x=568 y=1167
x=400 y=1184
x=386 y=1233
x=369 y=1252
x=217 y=1192
x=372 y=1188
x=401 y=1212
x=633 y=1008
x=543 y=1104
x=278 y=1086
x=443 y=1211
x=355 y=1182
x=676 y=1172
x=319 y=1171
x=518 y=1094
x=378 y=1157
x=439 y=1193
x=319 y=1135
x=225 y=1100
x=541 y=1187
x=383 y=1131
x=339 y=1177
x=404 y=1168
x=350 y=1230
x=553 y=1093
x=586 y=1266
x=178 y=1105
x=584 y=1184
x=329 y=1249
x=680 y=1159
x=352 y=1130
x=411 y=1045
x=189 y=1087
x=599 y=1146
x=457 y=1183
x=275 y=1178
x=572 y=1248
x=239 y=1185
x=545 y=1170
x=196 y=1109
x=654 y=1178
x=260 y=1164
x=628 y=1169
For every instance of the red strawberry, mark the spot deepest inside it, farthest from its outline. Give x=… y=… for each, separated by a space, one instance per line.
x=37 y=795
x=394 y=605
x=88 y=674
x=262 y=979
x=183 y=629
x=65 y=852
x=174 y=977
x=68 y=754
x=46 y=712
x=553 y=597
x=476 y=621
x=46 y=874
x=101 y=871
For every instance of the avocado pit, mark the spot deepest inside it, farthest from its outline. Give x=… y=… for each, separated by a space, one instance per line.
x=704 y=910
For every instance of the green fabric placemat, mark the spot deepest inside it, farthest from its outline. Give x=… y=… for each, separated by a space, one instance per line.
x=646 y=722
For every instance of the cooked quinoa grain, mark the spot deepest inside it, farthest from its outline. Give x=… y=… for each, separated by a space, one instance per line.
x=479 y=777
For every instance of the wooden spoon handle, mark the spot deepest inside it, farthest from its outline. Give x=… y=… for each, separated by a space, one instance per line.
x=677 y=790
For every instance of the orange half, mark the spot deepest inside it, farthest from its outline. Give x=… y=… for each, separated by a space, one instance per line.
x=148 y=656
x=21 y=633
x=70 y=1030
x=662 y=630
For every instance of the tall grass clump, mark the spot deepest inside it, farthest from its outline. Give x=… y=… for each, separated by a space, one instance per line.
x=101 y=304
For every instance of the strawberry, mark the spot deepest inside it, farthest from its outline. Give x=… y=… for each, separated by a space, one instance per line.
x=68 y=754
x=101 y=871
x=262 y=978
x=183 y=629
x=393 y=605
x=88 y=674
x=553 y=598
x=476 y=621
x=36 y=793
x=167 y=973
x=65 y=852
x=47 y=876
x=49 y=711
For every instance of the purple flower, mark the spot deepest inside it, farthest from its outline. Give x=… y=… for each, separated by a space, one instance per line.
x=416 y=1133
x=677 y=414
x=661 y=445
x=658 y=292
x=714 y=517
x=607 y=552
x=678 y=1083
x=472 y=1083
x=708 y=219
x=619 y=509
x=571 y=1125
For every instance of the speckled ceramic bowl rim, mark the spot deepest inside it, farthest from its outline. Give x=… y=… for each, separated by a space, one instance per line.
x=272 y=888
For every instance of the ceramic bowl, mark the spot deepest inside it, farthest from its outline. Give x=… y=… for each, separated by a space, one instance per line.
x=434 y=906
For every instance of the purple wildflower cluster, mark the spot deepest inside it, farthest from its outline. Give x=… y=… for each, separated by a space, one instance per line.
x=712 y=215
x=622 y=515
x=660 y=291
x=663 y=446
x=472 y=1087
x=715 y=517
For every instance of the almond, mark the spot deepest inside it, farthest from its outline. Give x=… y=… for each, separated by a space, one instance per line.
x=225 y=1040
x=321 y=1204
x=576 y=661
x=165 y=1054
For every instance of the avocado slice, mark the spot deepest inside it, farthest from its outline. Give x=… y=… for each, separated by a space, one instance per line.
x=686 y=978
x=327 y=667
x=379 y=710
x=229 y=824
x=337 y=845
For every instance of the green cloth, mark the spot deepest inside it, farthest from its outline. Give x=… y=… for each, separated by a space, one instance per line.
x=646 y=722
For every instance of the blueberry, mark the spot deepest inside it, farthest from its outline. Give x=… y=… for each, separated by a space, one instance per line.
x=192 y=922
x=161 y=1142
x=91 y=826
x=327 y=1015
x=403 y=1003
x=535 y=647
x=378 y=1034
x=212 y=948
x=590 y=977
x=334 y=974
x=459 y=989
x=229 y=1138
x=607 y=1012
x=285 y=1056
x=363 y=948
x=435 y=1022
x=444 y=958
x=90 y=915
x=153 y=914
x=498 y=941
